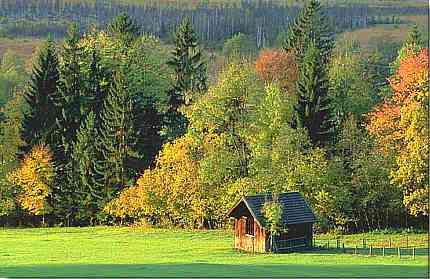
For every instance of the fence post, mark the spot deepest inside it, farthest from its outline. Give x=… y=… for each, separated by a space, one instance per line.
x=407 y=241
x=343 y=247
x=355 y=251
x=383 y=251
x=363 y=243
x=337 y=243
x=328 y=244
x=398 y=252
x=413 y=253
x=370 y=250
x=390 y=242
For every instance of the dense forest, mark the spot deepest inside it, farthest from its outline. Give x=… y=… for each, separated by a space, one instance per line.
x=115 y=126
x=213 y=21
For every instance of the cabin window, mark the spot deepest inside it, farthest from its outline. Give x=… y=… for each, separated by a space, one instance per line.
x=249 y=226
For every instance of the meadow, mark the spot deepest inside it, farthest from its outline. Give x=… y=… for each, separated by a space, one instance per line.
x=128 y=252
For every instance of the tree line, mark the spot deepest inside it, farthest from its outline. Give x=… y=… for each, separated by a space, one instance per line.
x=120 y=129
x=214 y=23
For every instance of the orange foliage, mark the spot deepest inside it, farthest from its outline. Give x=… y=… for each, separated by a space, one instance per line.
x=408 y=85
x=34 y=178
x=277 y=65
x=400 y=125
x=411 y=78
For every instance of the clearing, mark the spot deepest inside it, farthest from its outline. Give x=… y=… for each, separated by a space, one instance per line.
x=128 y=252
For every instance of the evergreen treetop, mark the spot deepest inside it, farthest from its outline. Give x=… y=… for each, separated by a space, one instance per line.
x=311 y=25
x=313 y=108
x=124 y=27
x=117 y=137
x=40 y=96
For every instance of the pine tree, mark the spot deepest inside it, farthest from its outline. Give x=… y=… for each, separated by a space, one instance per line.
x=190 y=76
x=124 y=27
x=313 y=108
x=85 y=178
x=39 y=121
x=311 y=25
x=117 y=138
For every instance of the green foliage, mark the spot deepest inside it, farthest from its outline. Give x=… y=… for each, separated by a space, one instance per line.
x=88 y=183
x=10 y=144
x=348 y=91
x=239 y=46
x=124 y=27
x=368 y=196
x=41 y=96
x=71 y=100
x=117 y=138
x=281 y=38
x=190 y=77
x=415 y=37
x=310 y=27
x=272 y=212
x=313 y=111
x=12 y=75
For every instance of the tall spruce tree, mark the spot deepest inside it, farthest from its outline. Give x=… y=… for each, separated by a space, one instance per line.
x=313 y=107
x=40 y=96
x=73 y=107
x=311 y=25
x=117 y=138
x=86 y=180
x=97 y=84
x=72 y=101
x=190 y=76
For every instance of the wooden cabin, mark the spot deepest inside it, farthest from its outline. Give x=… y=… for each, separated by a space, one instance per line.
x=249 y=224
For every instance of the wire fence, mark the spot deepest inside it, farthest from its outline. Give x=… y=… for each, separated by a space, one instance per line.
x=375 y=247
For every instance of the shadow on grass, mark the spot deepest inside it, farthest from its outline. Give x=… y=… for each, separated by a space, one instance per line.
x=212 y=270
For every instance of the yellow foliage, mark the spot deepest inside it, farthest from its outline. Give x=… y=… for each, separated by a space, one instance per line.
x=34 y=178
x=171 y=191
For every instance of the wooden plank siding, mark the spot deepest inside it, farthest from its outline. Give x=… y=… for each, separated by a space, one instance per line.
x=243 y=241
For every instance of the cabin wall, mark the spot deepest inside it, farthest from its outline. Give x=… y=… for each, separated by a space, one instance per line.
x=242 y=241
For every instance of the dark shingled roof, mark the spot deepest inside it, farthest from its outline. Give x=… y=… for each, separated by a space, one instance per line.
x=295 y=209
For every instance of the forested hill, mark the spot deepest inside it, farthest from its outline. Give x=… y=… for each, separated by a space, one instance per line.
x=214 y=21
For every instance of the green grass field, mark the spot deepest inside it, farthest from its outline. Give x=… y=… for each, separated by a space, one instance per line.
x=101 y=251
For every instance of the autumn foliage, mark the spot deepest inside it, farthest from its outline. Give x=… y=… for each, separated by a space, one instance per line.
x=34 y=178
x=400 y=125
x=167 y=194
x=277 y=65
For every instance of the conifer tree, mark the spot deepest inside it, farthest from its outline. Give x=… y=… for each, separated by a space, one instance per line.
x=414 y=37
x=313 y=108
x=124 y=27
x=148 y=124
x=96 y=85
x=117 y=138
x=311 y=25
x=72 y=105
x=41 y=95
x=86 y=179
x=190 y=76
x=72 y=100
